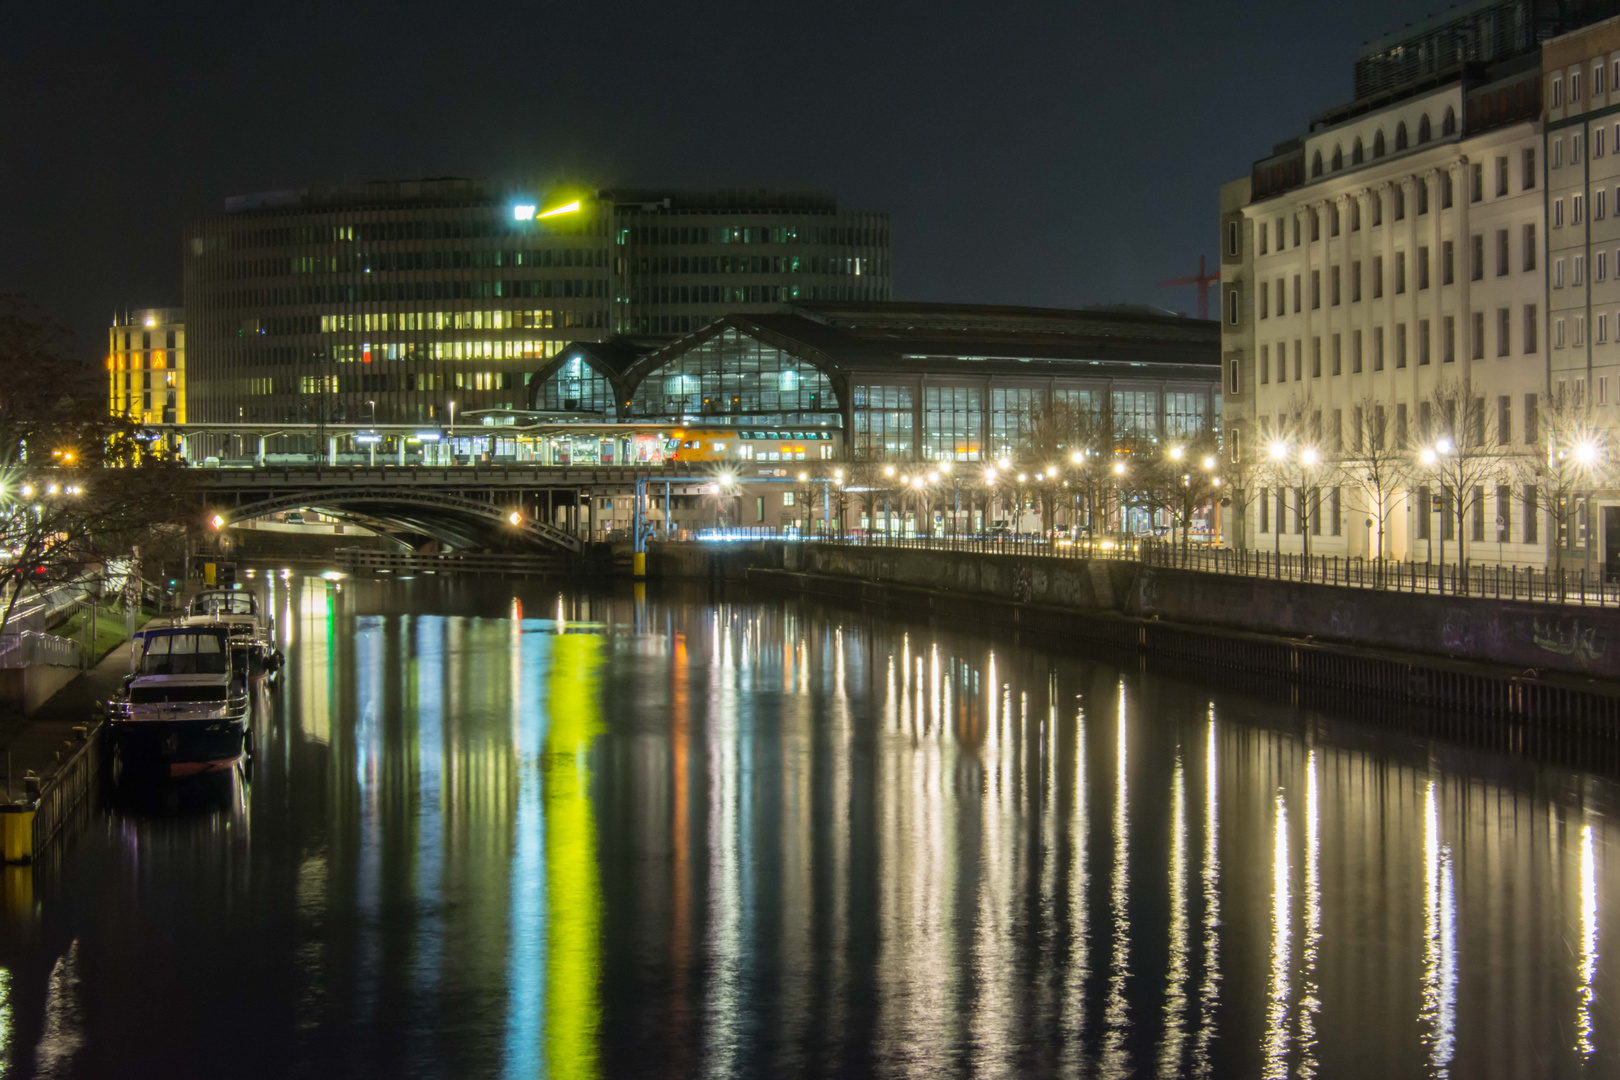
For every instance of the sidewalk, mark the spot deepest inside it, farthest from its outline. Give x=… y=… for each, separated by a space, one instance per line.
x=37 y=743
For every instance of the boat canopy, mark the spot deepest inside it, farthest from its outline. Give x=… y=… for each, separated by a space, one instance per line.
x=235 y=602
x=184 y=651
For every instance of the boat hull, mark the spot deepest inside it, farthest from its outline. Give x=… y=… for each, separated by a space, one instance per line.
x=180 y=747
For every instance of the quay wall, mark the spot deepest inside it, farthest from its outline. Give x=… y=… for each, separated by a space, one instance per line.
x=1522 y=635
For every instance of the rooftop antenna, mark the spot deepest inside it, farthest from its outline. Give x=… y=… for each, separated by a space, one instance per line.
x=1202 y=279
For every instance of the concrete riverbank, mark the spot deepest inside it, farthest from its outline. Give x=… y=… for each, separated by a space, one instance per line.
x=1543 y=662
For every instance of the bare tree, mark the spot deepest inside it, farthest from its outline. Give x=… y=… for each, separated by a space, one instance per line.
x=1570 y=456
x=1463 y=453
x=1374 y=463
x=77 y=485
x=1183 y=479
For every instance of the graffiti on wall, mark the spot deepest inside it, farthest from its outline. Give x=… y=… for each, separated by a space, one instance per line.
x=1565 y=637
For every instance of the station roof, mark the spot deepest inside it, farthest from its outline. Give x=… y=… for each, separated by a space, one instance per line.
x=967 y=338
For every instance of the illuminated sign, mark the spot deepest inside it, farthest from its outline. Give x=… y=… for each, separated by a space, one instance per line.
x=368 y=439
x=523 y=212
x=570 y=208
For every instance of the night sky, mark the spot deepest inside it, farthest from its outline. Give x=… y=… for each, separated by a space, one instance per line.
x=1056 y=154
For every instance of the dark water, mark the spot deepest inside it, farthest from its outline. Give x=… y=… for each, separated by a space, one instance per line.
x=492 y=830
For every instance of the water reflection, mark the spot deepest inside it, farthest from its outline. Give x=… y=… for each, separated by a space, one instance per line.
x=646 y=835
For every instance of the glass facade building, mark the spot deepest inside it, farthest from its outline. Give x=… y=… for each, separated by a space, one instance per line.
x=393 y=300
x=146 y=366
x=918 y=381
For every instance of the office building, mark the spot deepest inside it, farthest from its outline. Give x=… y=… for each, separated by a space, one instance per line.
x=403 y=301
x=146 y=365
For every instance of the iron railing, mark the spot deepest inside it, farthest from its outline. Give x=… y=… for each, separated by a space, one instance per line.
x=1491 y=581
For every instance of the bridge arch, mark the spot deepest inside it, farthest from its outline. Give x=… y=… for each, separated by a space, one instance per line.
x=450 y=519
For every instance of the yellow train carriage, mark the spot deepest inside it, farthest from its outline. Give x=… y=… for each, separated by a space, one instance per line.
x=714 y=445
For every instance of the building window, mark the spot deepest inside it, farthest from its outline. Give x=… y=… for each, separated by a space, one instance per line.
x=1558 y=213
x=1400 y=273
x=1578 y=270
x=1425 y=132
x=1377 y=208
x=1299 y=360
x=1378 y=348
x=1398 y=195
x=1530 y=333
x=953 y=420
x=1355 y=352
x=1355 y=210
x=883 y=421
x=1558 y=273
x=1232 y=238
x=1575 y=148
x=1316 y=289
x=1445 y=262
x=1478 y=342
x=1476 y=187
x=1423 y=342
x=1378 y=146
x=1400 y=136
x=1265 y=302
x=1335 y=357
x=1333 y=286
x=1530 y=247
x=1574 y=87
x=1400 y=345
x=1575 y=204
x=1529 y=178
x=1421 y=186
x=1234 y=386
x=1265 y=510
x=1355 y=282
x=1265 y=364
x=1501 y=252
x=1378 y=276
x=1231 y=306
x=1448 y=339
x=1558 y=333
x=1530 y=513
x=1602 y=330
x=1316 y=358
x=1504 y=330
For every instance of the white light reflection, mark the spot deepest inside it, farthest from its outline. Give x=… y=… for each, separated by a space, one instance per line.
x=1589 y=941
x=1212 y=911
x=1175 y=994
x=1275 y=1044
x=1310 y=1001
x=1440 y=941
x=63 y=1032
x=1115 y=1059
x=1074 y=996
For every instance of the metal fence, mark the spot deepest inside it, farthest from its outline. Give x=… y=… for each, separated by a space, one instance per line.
x=1489 y=581
x=30 y=647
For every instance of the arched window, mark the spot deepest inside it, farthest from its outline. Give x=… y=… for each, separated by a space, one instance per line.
x=1316 y=163
x=737 y=376
x=1423 y=129
x=1356 y=156
x=1448 y=126
x=1338 y=159
x=1378 y=143
x=1400 y=136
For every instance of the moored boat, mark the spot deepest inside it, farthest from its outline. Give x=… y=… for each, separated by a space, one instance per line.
x=184 y=709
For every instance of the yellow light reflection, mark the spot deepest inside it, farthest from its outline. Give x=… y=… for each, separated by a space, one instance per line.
x=573 y=885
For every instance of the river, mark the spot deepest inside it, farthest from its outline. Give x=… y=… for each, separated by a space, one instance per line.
x=499 y=829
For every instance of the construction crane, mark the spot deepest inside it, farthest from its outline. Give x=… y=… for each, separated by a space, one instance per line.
x=1203 y=280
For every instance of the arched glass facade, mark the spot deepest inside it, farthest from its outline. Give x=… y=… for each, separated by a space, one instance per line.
x=575 y=387
x=733 y=378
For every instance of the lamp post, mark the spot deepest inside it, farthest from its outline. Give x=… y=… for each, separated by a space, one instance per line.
x=1308 y=460
x=888 y=520
x=1432 y=457
x=1119 y=496
x=1278 y=452
x=947 y=468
